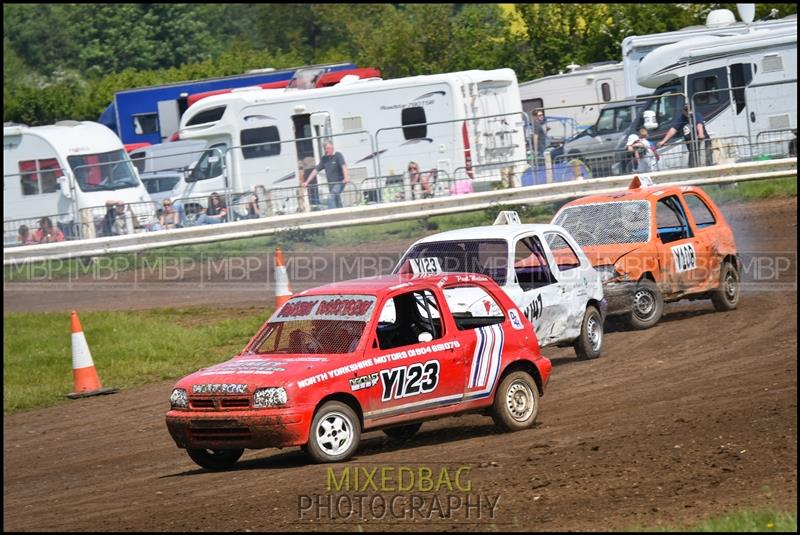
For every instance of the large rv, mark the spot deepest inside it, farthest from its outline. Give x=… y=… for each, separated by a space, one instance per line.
x=720 y=22
x=575 y=94
x=152 y=114
x=744 y=85
x=464 y=124
x=66 y=171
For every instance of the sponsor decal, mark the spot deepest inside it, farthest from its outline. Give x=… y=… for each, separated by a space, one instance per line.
x=247 y=366
x=345 y=308
x=367 y=381
x=411 y=380
x=516 y=322
x=684 y=257
x=219 y=388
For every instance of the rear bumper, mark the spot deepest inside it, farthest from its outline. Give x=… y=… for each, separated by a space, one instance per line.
x=253 y=429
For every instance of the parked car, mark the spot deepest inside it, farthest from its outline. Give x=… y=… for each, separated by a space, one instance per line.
x=338 y=360
x=656 y=244
x=541 y=267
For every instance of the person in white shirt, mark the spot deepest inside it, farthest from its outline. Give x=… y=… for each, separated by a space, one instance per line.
x=643 y=153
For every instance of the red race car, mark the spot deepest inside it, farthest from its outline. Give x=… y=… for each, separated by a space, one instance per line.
x=377 y=353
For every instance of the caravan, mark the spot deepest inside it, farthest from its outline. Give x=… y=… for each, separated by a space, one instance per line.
x=462 y=125
x=67 y=172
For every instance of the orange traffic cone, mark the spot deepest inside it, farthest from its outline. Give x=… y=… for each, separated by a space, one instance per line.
x=86 y=380
x=282 y=290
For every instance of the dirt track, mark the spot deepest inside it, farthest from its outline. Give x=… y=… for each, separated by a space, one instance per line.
x=692 y=418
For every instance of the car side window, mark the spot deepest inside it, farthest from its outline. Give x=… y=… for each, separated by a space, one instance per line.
x=473 y=307
x=563 y=253
x=530 y=264
x=409 y=318
x=701 y=213
x=605 y=123
x=671 y=221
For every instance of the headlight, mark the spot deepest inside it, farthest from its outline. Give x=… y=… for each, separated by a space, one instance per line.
x=178 y=399
x=269 y=397
x=607 y=272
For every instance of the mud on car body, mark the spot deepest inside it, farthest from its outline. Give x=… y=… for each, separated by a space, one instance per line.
x=541 y=267
x=379 y=353
x=653 y=245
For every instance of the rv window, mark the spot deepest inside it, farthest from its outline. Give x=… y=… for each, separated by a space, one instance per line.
x=207 y=116
x=146 y=123
x=260 y=142
x=606 y=89
x=741 y=76
x=414 y=116
x=49 y=173
x=29 y=178
x=209 y=165
x=708 y=83
x=103 y=171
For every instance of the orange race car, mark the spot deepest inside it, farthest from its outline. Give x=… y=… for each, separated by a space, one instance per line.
x=655 y=244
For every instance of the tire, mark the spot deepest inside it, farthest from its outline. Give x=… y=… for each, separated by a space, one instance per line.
x=648 y=305
x=589 y=343
x=726 y=295
x=516 y=403
x=335 y=433
x=215 y=459
x=403 y=432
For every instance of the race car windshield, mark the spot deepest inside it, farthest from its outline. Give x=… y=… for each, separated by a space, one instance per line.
x=486 y=257
x=607 y=223
x=316 y=325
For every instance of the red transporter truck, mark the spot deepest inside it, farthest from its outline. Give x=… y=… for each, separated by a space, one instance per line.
x=377 y=353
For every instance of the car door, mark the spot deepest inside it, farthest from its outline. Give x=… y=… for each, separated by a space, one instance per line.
x=571 y=282
x=703 y=225
x=419 y=357
x=538 y=292
x=676 y=245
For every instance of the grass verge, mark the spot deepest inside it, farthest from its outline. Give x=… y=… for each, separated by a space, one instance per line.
x=740 y=521
x=128 y=348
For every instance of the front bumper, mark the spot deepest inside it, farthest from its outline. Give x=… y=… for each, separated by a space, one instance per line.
x=255 y=429
x=619 y=296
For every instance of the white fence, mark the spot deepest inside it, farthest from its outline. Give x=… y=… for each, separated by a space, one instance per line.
x=396 y=211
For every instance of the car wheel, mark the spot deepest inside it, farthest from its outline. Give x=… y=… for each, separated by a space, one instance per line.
x=648 y=305
x=516 y=403
x=726 y=295
x=403 y=432
x=335 y=433
x=215 y=459
x=590 y=342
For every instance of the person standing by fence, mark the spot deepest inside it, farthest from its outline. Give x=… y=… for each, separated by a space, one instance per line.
x=335 y=173
x=697 y=149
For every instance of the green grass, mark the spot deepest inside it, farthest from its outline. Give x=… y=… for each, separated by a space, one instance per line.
x=753 y=190
x=740 y=521
x=128 y=348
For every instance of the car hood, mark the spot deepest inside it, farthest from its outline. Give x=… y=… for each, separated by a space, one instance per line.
x=601 y=255
x=256 y=371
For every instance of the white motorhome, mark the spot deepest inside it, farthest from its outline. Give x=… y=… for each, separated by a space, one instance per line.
x=744 y=85
x=464 y=124
x=66 y=171
x=720 y=22
x=580 y=90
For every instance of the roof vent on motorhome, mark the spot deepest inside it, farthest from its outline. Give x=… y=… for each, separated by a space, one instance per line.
x=720 y=17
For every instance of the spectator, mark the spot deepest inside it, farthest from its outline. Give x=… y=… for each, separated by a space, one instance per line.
x=252 y=208
x=305 y=167
x=643 y=154
x=335 y=172
x=423 y=179
x=216 y=212
x=47 y=233
x=682 y=124
x=24 y=236
x=114 y=223
x=169 y=218
x=539 y=133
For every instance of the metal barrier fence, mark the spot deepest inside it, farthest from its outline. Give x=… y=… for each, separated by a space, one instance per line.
x=109 y=220
x=23 y=231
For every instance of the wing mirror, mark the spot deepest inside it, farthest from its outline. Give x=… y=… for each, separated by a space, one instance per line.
x=63 y=183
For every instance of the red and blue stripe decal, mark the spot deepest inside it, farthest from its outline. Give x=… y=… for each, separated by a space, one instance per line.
x=486 y=361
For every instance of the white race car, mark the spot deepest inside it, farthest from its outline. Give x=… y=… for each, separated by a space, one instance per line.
x=541 y=267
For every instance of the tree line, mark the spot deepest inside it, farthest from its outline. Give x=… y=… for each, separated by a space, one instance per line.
x=66 y=61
